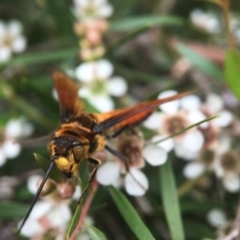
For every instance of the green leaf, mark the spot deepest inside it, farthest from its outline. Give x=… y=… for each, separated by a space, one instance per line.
x=44 y=164
x=41 y=57
x=95 y=234
x=199 y=62
x=170 y=201
x=130 y=215
x=133 y=23
x=74 y=220
x=10 y=210
x=232 y=70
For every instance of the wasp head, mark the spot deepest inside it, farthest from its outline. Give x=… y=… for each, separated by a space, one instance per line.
x=67 y=153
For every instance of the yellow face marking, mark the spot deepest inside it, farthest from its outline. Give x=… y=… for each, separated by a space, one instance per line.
x=63 y=164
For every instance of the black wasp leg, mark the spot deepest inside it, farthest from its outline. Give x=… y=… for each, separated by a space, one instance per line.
x=119 y=155
x=123 y=158
x=117 y=133
x=95 y=163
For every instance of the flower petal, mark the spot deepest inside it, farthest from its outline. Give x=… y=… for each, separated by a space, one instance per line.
x=170 y=107
x=105 y=11
x=77 y=193
x=31 y=228
x=193 y=170
x=104 y=69
x=195 y=116
x=103 y=103
x=214 y=103
x=193 y=141
x=184 y=153
x=14 y=28
x=19 y=44
x=153 y=122
x=32 y=183
x=154 y=155
x=85 y=72
x=216 y=217
x=224 y=120
x=11 y=150
x=166 y=145
x=60 y=215
x=108 y=173
x=136 y=183
x=5 y=53
x=117 y=86
x=2 y=157
x=190 y=102
x=232 y=184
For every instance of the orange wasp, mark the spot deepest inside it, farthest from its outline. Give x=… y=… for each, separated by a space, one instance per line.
x=82 y=133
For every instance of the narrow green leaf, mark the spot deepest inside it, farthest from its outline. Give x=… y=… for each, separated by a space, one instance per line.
x=41 y=57
x=130 y=215
x=170 y=201
x=95 y=234
x=199 y=62
x=44 y=164
x=11 y=210
x=232 y=70
x=133 y=23
x=74 y=220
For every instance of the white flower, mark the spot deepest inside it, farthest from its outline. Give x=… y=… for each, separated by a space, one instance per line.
x=129 y=145
x=11 y=39
x=214 y=105
x=15 y=128
x=227 y=165
x=98 y=84
x=193 y=170
x=216 y=217
x=135 y=181
x=48 y=213
x=10 y=149
x=207 y=21
x=176 y=116
x=89 y=71
x=87 y=10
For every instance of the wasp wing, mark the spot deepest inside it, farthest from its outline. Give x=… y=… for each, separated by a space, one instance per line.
x=131 y=115
x=67 y=92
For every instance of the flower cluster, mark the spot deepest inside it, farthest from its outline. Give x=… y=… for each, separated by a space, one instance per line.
x=95 y=73
x=11 y=39
x=14 y=129
x=52 y=214
x=98 y=84
x=210 y=22
x=90 y=25
x=203 y=146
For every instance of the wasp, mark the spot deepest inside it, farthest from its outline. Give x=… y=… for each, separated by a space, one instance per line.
x=83 y=133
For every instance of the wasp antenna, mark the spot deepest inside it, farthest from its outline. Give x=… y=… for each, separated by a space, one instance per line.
x=37 y=195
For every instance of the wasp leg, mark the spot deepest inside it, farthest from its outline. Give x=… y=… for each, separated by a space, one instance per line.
x=118 y=132
x=95 y=163
x=119 y=155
